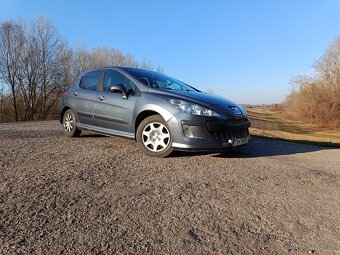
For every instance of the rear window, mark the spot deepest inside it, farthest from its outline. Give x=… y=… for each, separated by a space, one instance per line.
x=90 y=80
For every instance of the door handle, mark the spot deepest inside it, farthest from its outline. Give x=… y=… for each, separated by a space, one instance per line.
x=75 y=93
x=101 y=98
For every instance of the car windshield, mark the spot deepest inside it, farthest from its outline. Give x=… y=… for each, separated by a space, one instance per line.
x=158 y=80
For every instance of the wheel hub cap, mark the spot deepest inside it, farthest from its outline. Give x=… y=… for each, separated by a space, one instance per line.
x=156 y=137
x=68 y=122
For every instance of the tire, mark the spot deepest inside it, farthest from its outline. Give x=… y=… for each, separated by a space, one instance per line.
x=70 y=124
x=153 y=137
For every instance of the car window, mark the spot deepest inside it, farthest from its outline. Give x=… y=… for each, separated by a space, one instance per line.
x=113 y=78
x=90 y=80
x=167 y=84
x=158 y=80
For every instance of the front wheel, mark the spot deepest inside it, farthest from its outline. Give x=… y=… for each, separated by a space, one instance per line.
x=70 y=124
x=153 y=136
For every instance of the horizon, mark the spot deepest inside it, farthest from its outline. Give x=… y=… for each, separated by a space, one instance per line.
x=236 y=49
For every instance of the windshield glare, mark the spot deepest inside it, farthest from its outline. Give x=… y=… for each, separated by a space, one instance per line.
x=158 y=80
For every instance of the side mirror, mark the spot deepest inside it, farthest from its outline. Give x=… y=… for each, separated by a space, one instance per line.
x=119 y=88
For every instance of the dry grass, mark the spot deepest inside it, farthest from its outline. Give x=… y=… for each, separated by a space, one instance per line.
x=269 y=123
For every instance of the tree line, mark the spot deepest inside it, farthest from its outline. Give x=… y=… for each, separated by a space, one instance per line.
x=316 y=98
x=37 y=66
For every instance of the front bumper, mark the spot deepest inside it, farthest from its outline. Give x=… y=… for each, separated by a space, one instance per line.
x=208 y=134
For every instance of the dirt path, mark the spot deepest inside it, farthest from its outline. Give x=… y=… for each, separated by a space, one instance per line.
x=101 y=195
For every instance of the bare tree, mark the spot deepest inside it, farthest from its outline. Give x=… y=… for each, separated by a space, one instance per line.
x=50 y=57
x=36 y=65
x=2 y=97
x=328 y=66
x=146 y=64
x=12 y=42
x=81 y=60
x=84 y=59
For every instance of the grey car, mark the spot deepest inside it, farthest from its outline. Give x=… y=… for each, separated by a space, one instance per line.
x=161 y=113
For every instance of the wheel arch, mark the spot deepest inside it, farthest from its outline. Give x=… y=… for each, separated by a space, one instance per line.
x=143 y=115
x=150 y=110
x=62 y=114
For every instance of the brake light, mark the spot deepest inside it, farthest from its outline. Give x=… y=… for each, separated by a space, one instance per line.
x=63 y=94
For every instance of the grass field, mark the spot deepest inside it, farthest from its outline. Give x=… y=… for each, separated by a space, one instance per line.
x=273 y=124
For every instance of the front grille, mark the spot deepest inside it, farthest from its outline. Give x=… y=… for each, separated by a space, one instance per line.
x=225 y=135
x=236 y=120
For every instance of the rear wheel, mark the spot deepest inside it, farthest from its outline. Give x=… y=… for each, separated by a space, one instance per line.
x=153 y=136
x=70 y=124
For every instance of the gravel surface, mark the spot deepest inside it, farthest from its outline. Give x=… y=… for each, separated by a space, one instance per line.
x=101 y=195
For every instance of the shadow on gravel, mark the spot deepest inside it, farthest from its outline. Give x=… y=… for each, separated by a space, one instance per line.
x=89 y=135
x=260 y=147
x=29 y=134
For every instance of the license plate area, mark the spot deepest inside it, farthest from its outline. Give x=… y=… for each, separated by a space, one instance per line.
x=240 y=141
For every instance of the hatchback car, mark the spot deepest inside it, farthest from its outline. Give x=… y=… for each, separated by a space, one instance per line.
x=162 y=113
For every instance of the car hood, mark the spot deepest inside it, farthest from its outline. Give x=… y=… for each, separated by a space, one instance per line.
x=214 y=102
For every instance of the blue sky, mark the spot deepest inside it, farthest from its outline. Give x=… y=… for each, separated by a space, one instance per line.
x=244 y=50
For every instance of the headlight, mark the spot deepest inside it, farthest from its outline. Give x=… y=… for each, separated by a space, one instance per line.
x=244 y=111
x=193 y=108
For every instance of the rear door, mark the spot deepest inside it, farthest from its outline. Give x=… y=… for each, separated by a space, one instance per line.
x=113 y=111
x=84 y=97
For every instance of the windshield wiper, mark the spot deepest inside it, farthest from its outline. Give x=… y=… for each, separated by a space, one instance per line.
x=179 y=89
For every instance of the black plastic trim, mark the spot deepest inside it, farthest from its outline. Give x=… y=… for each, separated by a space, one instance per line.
x=85 y=114
x=110 y=119
x=217 y=125
x=191 y=123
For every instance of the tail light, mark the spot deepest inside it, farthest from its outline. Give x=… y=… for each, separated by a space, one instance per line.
x=63 y=94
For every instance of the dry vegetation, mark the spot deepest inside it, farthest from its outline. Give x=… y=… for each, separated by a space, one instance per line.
x=270 y=122
x=37 y=65
x=311 y=113
x=316 y=98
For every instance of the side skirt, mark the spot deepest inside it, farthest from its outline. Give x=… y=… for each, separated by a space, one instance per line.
x=105 y=131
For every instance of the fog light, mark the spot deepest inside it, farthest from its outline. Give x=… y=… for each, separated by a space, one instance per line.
x=187 y=131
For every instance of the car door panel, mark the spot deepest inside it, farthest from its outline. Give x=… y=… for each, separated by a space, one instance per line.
x=84 y=103
x=84 y=97
x=112 y=111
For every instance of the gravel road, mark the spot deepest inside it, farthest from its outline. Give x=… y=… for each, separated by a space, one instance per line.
x=102 y=195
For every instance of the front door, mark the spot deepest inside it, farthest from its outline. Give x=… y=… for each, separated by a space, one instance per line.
x=113 y=111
